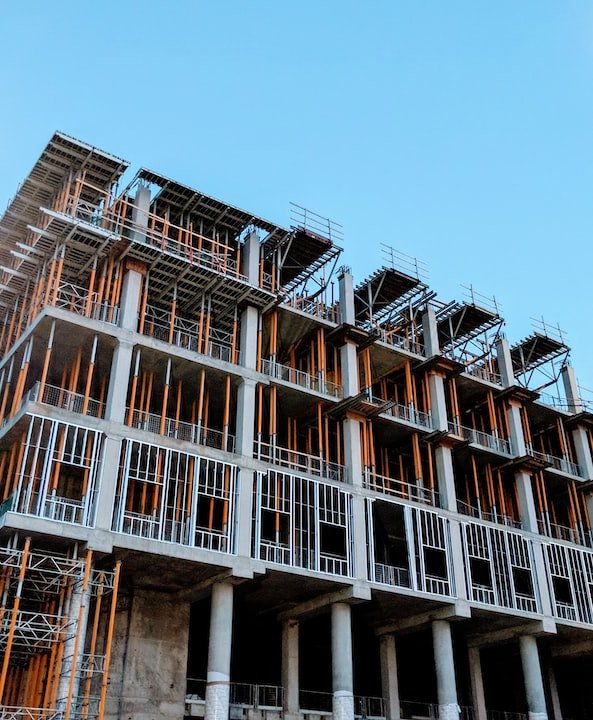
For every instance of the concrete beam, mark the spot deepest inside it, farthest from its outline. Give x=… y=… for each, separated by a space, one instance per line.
x=574 y=649
x=459 y=610
x=547 y=626
x=204 y=588
x=351 y=595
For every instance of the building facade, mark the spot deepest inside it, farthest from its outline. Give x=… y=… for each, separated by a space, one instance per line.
x=236 y=483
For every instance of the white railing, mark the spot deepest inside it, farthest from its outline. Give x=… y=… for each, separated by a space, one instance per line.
x=563 y=532
x=557 y=463
x=490 y=516
x=66 y=400
x=189 y=432
x=262 y=697
x=483 y=373
x=398 y=488
x=333 y=564
x=299 y=377
x=211 y=540
x=13 y=712
x=316 y=308
x=303 y=462
x=486 y=440
x=391 y=575
x=145 y=526
x=64 y=509
x=75 y=298
x=400 y=341
x=278 y=554
x=409 y=414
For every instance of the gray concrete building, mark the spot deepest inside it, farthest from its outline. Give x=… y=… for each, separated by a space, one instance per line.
x=237 y=483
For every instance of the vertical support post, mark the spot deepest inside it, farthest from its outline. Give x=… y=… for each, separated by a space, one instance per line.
x=532 y=676
x=445 y=670
x=342 y=674
x=290 y=668
x=477 y=683
x=389 y=681
x=219 y=653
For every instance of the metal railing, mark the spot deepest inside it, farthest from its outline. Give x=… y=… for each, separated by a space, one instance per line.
x=399 y=488
x=260 y=697
x=579 y=536
x=64 y=509
x=401 y=341
x=483 y=373
x=391 y=575
x=557 y=463
x=66 y=400
x=486 y=440
x=13 y=712
x=409 y=414
x=299 y=377
x=77 y=299
x=316 y=308
x=189 y=432
x=303 y=462
x=490 y=516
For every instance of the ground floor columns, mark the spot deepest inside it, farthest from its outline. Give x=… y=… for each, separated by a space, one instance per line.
x=477 y=683
x=389 y=683
x=532 y=676
x=342 y=676
x=290 y=668
x=445 y=670
x=219 y=652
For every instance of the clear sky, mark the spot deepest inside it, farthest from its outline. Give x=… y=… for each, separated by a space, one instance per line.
x=457 y=131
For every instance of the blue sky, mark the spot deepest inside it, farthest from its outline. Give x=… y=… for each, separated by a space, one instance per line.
x=458 y=132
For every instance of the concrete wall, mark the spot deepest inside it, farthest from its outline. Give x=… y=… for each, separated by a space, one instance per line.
x=149 y=658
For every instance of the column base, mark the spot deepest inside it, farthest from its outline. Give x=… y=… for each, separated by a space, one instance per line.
x=217 y=700
x=450 y=711
x=537 y=715
x=343 y=705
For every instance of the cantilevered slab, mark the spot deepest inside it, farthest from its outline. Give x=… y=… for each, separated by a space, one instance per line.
x=464 y=321
x=535 y=350
x=377 y=296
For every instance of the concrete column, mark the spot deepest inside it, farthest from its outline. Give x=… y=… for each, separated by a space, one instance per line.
x=526 y=501
x=148 y=672
x=248 y=338
x=532 y=676
x=571 y=389
x=121 y=365
x=554 y=695
x=354 y=470
x=342 y=674
x=583 y=452
x=141 y=207
x=130 y=300
x=389 y=682
x=70 y=663
x=516 y=430
x=219 y=653
x=505 y=363
x=430 y=333
x=244 y=513
x=477 y=684
x=349 y=365
x=251 y=255
x=445 y=670
x=540 y=570
x=438 y=405
x=443 y=458
x=457 y=560
x=290 y=669
x=107 y=484
x=346 y=288
x=245 y=417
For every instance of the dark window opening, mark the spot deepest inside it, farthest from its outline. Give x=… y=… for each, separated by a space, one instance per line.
x=332 y=540
x=562 y=591
x=523 y=582
x=275 y=527
x=480 y=572
x=70 y=482
x=435 y=562
x=210 y=513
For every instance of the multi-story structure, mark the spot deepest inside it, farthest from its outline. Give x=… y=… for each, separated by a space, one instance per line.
x=234 y=481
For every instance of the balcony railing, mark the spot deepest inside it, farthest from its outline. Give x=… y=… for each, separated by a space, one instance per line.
x=557 y=463
x=391 y=575
x=401 y=341
x=490 y=516
x=399 y=488
x=316 y=308
x=299 y=377
x=486 y=440
x=197 y=434
x=79 y=300
x=484 y=373
x=302 y=462
x=409 y=414
x=66 y=400
x=580 y=536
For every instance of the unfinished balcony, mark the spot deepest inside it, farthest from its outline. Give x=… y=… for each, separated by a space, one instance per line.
x=561 y=506
x=299 y=461
x=301 y=379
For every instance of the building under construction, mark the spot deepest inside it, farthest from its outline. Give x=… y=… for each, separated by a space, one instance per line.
x=236 y=483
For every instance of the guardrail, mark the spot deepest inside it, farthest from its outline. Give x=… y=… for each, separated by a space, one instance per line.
x=299 y=377
x=66 y=400
x=197 y=434
x=490 y=516
x=557 y=463
x=399 y=488
x=304 y=462
x=486 y=440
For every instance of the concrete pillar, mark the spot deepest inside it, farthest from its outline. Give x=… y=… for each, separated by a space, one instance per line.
x=583 y=452
x=290 y=669
x=342 y=673
x=130 y=300
x=71 y=663
x=445 y=670
x=245 y=417
x=443 y=458
x=251 y=255
x=518 y=446
x=141 y=207
x=505 y=363
x=430 y=333
x=248 y=338
x=389 y=681
x=477 y=684
x=219 y=653
x=148 y=672
x=354 y=471
x=554 y=695
x=244 y=525
x=457 y=560
x=107 y=485
x=346 y=288
x=526 y=501
x=121 y=364
x=438 y=405
x=532 y=677
x=571 y=389
x=349 y=365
